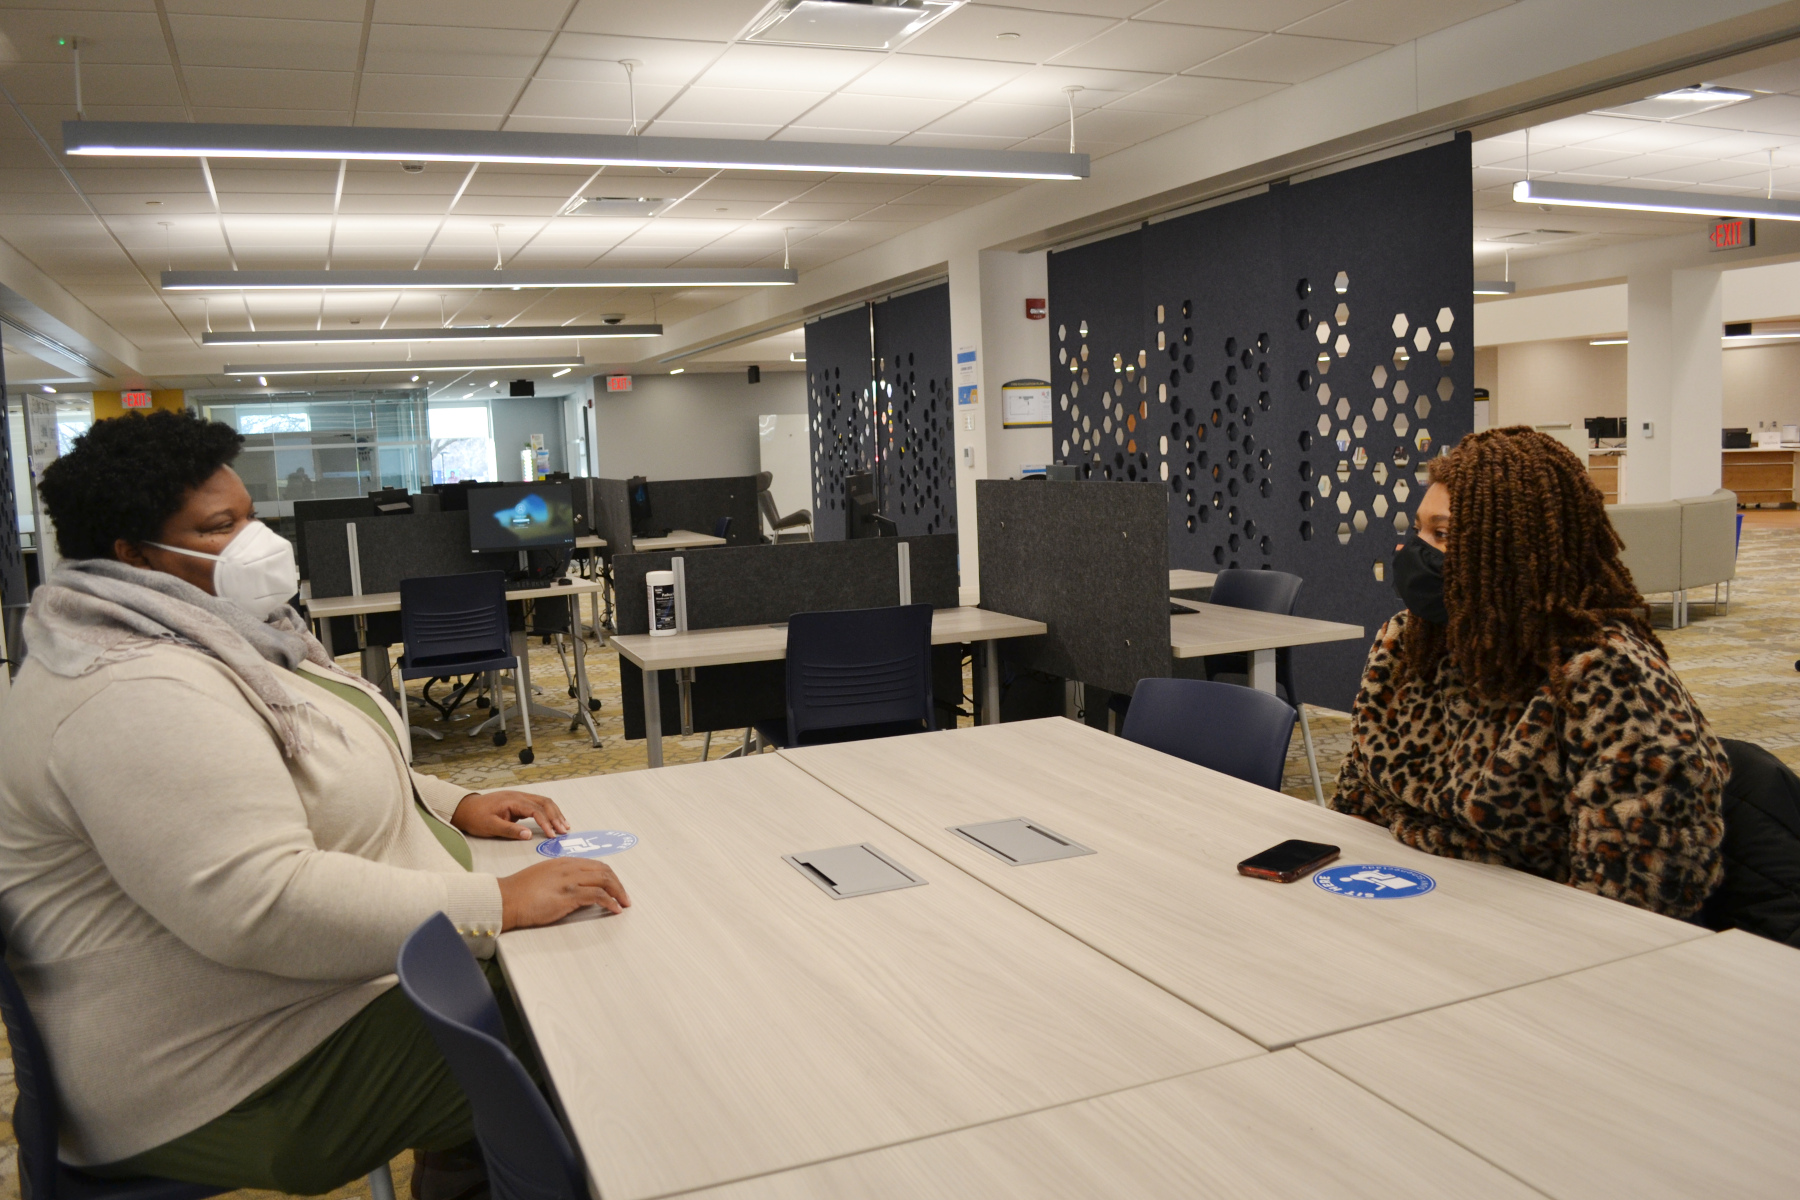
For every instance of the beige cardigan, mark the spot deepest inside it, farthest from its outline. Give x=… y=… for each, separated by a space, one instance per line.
x=189 y=913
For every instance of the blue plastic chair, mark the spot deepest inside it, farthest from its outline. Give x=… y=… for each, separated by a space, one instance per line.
x=1234 y=730
x=857 y=673
x=457 y=625
x=527 y=1153
x=1270 y=592
x=722 y=527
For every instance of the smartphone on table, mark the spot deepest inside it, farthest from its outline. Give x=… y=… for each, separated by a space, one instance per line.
x=1288 y=861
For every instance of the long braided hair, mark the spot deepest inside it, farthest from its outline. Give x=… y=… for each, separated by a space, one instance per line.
x=1531 y=568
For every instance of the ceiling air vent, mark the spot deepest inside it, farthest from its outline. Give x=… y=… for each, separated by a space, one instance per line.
x=849 y=24
x=617 y=206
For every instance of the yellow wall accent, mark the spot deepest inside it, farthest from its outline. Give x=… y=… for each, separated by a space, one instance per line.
x=107 y=404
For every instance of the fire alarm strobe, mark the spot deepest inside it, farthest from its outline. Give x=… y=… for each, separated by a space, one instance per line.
x=1036 y=309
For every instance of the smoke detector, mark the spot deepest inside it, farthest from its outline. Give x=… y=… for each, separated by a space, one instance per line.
x=849 y=24
x=612 y=318
x=412 y=168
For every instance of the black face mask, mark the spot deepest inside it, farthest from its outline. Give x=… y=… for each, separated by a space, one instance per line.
x=1419 y=578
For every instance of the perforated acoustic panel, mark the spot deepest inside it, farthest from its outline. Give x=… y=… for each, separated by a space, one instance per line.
x=1286 y=366
x=896 y=351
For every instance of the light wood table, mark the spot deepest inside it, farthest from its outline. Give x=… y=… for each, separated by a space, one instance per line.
x=738 y=1020
x=1181 y=580
x=1280 y=1127
x=1761 y=475
x=376 y=669
x=1216 y=629
x=1277 y=962
x=676 y=539
x=768 y=643
x=1672 y=1074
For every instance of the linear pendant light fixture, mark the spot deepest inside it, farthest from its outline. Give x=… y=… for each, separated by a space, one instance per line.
x=415 y=367
x=169 y=139
x=1699 y=204
x=321 y=337
x=467 y=280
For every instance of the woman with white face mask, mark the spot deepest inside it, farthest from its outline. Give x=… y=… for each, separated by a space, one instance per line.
x=212 y=847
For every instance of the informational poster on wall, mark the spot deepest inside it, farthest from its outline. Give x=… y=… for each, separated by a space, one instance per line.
x=967 y=390
x=1025 y=404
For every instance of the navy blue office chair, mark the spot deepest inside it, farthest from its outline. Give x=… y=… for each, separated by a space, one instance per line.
x=854 y=674
x=1270 y=592
x=722 y=527
x=1234 y=730
x=457 y=625
x=527 y=1153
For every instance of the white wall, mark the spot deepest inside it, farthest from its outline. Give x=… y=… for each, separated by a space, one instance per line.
x=690 y=426
x=1016 y=348
x=785 y=452
x=1548 y=383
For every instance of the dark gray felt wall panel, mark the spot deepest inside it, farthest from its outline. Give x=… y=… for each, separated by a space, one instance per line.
x=1091 y=561
x=697 y=504
x=392 y=549
x=1278 y=412
x=612 y=514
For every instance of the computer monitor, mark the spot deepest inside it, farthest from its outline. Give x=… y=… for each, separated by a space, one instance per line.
x=862 y=515
x=638 y=489
x=521 y=516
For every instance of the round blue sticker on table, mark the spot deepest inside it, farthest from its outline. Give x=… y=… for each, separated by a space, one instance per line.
x=1366 y=882
x=592 y=843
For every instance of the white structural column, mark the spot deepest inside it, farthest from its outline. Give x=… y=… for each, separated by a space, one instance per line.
x=1017 y=348
x=1674 y=384
x=971 y=423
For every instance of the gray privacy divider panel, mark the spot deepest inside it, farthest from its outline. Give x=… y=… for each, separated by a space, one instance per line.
x=1304 y=354
x=612 y=514
x=394 y=548
x=841 y=435
x=1089 y=560
x=758 y=585
x=1020 y=842
x=697 y=504
x=845 y=871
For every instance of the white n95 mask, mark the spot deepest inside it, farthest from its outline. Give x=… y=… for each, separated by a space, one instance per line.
x=257 y=572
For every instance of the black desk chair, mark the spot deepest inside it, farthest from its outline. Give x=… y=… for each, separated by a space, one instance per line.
x=527 y=1153
x=36 y=1117
x=855 y=674
x=1213 y=725
x=722 y=527
x=457 y=625
x=1270 y=592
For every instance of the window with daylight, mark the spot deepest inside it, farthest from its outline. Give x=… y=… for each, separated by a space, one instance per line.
x=462 y=444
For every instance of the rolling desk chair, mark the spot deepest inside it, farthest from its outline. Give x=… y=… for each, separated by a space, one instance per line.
x=1213 y=725
x=457 y=625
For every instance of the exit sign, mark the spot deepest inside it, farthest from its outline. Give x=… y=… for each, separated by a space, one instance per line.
x=1733 y=234
x=618 y=383
x=135 y=399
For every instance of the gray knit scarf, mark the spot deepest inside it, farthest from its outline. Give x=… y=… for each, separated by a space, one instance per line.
x=96 y=611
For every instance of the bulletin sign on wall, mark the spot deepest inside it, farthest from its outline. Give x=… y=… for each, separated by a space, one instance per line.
x=879 y=399
x=1286 y=365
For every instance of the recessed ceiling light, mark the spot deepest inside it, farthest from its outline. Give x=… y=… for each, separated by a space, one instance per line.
x=1697 y=204
x=677 y=370
x=414 y=379
x=449 y=280
x=561 y=373
x=262 y=381
x=170 y=139
x=1682 y=102
x=493 y=383
x=1007 y=37
x=1610 y=342
x=850 y=24
x=477 y=333
x=50 y=389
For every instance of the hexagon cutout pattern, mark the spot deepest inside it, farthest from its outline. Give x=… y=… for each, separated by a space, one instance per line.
x=1401 y=325
x=1445 y=319
x=1422 y=339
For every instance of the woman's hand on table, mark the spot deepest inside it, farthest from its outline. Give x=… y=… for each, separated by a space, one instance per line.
x=497 y=815
x=549 y=891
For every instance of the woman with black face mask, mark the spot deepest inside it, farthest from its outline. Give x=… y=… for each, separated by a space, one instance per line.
x=1521 y=710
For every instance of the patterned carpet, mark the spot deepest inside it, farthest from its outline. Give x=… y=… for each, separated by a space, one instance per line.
x=1739 y=664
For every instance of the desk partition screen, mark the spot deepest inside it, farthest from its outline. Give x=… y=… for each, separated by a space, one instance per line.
x=393 y=548
x=1284 y=368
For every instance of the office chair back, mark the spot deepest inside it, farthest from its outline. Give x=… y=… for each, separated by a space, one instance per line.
x=1260 y=591
x=1234 y=730
x=722 y=527
x=445 y=619
x=528 y=1155
x=859 y=667
x=35 y=1118
x=765 y=500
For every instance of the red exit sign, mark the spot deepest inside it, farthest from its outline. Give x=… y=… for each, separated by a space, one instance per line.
x=1733 y=234
x=618 y=383
x=135 y=399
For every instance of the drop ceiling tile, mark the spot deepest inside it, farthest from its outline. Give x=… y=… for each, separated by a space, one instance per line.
x=1115 y=9
x=989 y=119
x=229 y=87
x=717 y=20
x=863 y=189
x=1264 y=15
x=302 y=10
x=712 y=129
x=1095 y=150
x=1645 y=137
x=737 y=106
x=875 y=113
x=266 y=42
x=595 y=57
x=728 y=187
x=485 y=97
x=1391 y=21
x=791 y=67
x=823 y=133
x=934 y=78
x=120 y=84
x=1583 y=127
x=415 y=50
x=514 y=14
x=1710 y=174
x=802 y=210
x=108 y=37
x=1781 y=77
x=1044 y=85
x=1282 y=58
x=1125 y=126
x=1144 y=46
x=974 y=31
x=1766 y=114
x=591 y=101
x=970 y=141
x=1557 y=159
x=417 y=120
x=282 y=116
x=1195 y=96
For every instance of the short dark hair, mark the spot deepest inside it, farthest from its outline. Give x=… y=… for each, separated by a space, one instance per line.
x=125 y=477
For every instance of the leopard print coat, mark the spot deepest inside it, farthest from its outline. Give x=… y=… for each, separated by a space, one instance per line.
x=1617 y=791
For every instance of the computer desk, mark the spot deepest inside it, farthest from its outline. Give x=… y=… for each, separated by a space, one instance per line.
x=682 y=652
x=1280 y=963
x=375 y=666
x=739 y=1020
x=1216 y=629
x=675 y=539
